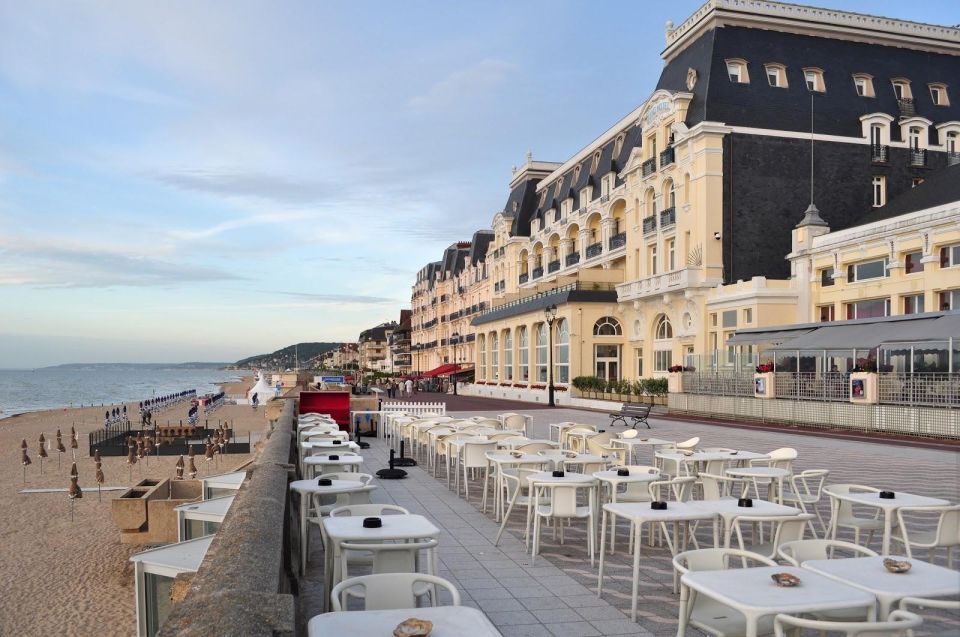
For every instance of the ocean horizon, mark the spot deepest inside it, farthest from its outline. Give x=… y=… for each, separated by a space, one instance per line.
x=85 y=384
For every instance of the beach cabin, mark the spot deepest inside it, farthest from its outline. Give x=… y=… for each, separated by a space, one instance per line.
x=154 y=573
x=223 y=484
x=200 y=519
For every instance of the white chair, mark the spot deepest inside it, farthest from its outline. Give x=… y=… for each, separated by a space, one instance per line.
x=368 y=510
x=922 y=603
x=388 y=591
x=629 y=433
x=599 y=446
x=706 y=613
x=717 y=487
x=515 y=492
x=365 y=478
x=360 y=496
x=507 y=435
x=562 y=506
x=632 y=492
x=805 y=489
x=535 y=447
x=900 y=622
x=781 y=458
x=473 y=456
x=573 y=442
x=689 y=444
x=391 y=557
x=799 y=551
x=786 y=528
x=491 y=423
x=843 y=515
x=443 y=451
x=945 y=535
x=515 y=422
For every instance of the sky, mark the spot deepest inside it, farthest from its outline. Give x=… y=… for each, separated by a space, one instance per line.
x=187 y=181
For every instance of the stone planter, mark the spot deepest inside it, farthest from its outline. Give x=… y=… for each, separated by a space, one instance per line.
x=863 y=388
x=764 y=385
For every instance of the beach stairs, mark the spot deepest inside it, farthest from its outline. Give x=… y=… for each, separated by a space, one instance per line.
x=145 y=513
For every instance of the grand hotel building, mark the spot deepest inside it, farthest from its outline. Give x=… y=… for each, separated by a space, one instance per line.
x=673 y=228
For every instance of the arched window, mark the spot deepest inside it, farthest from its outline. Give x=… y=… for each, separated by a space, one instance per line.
x=481 y=347
x=541 y=352
x=561 y=354
x=669 y=194
x=494 y=356
x=607 y=326
x=507 y=355
x=523 y=344
x=664 y=329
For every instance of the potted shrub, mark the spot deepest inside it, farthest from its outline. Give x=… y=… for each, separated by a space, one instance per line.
x=764 y=383
x=675 y=379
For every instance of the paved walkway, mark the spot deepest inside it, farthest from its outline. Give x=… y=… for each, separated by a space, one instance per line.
x=557 y=596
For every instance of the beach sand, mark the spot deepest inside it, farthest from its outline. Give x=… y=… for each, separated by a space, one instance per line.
x=63 y=578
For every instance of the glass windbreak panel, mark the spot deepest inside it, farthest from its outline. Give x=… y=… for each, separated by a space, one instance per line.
x=956 y=355
x=156 y=600
x=786 y=361
x=193 y=529
x=810 y=362
x=895 y=357
x=931 y=357
x=839 y=361
x=218 y=492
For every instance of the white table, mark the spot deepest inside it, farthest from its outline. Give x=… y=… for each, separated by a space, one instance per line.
x=640 y=513
x=350 y=529
x=513 y=444
x=448 y=621
x=868 y=574
x=752 y=592
x=349 y=463
x=888 y=507
x=305 y=489
x=582 y=436
x=559 y=427
x=542 y=477
x=726 y=509
x=561 y=458
x=632 y=443
x=755 y=474
x=614 y=479
x=501 y=459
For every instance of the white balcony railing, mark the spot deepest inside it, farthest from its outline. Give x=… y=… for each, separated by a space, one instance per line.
x=660 y=283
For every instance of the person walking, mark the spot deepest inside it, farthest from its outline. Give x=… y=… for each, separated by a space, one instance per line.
x=409 y=388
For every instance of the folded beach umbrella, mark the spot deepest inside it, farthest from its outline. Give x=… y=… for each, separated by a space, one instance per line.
x=24 y=458
x=60 y=447
x=179 y=466
x=191 y=467
x=208 y=453
x=75 y=491
x=96 y=456
x=99 y=477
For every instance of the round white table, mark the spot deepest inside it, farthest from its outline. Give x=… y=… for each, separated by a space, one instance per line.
x=305 y=489
x=348 y=463
x=766 y=474
x=614 y=479
x=448 y=621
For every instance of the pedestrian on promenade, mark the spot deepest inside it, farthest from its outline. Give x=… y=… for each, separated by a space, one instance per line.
x=409 y=387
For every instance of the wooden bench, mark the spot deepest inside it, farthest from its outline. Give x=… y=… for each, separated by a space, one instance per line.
x=637 y=412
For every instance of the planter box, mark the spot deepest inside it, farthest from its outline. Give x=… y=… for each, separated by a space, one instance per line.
x=863 y=388
x=764 y=385
x=675 y=382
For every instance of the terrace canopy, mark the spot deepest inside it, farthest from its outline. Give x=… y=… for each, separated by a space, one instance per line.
x=847 y=335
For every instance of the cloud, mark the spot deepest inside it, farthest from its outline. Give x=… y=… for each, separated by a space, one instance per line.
x=57 y=263
x=341 y=298
x=276 y=218
x=250 y=184
x=464 y=85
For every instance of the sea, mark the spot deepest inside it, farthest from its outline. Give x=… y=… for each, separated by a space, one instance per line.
x=25 y=390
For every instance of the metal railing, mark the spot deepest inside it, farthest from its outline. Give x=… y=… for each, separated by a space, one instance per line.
x=879 y=153
x=907 y=106
x=666 y=157
x=573 y=257
x=649 y=167
x=953 y=158
x=832 y=386
x=618 y=240
x=936 y=389
x=668 y=217
x=718 y=383
x=649 y=224
x=524 y=278
x=594 y=250
x=537 y=273
x=918 y=156
x=553 y=266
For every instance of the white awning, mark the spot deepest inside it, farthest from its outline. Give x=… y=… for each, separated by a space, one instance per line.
x=850 y=335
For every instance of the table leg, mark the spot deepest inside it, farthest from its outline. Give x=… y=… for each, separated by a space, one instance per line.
x=603 y=528
x=303 y=533
x=887 y=531
x=636 y=571
x=506 y=516
x=682 y=623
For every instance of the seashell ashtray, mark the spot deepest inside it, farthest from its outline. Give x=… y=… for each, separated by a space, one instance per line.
x=570 y=454
x=413 y=627
x=516 y=454
x=785 y=580
x=896 y=566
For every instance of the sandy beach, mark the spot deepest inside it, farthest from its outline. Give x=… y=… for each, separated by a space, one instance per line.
x=63 y=578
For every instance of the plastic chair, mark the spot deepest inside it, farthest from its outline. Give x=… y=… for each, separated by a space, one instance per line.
x=562 y=506
x=799 y=551
x=565 y=438
x=945 y=535
x=786 y=528
x=389 y=590
x=516 y=492
x=368 y=510
x=805 y=489
x=536 y=447
x=491 y=423
x=365 y=478
x=598 y=448
x=632 y=492
x=781 y=458
x=922 y=602
x=473 y=455
x=717 y=487
x=706 y=613
x=688 y=444
x=515 y=422
x=900 y=622
x=843 y=516
x=507 y=435
x=392 y=557
x=442 y=450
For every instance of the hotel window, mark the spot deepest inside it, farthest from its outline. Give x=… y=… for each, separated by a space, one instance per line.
x=664 y=329
x=776 y=75
x=814 y=80
x=713 y=319
x=618 y=145
x=913 y=263
x=576 y=175
x=523 y=343
x=607 y=326
x=652 y=250
x=874 y=308
x=671 y=255
x=662 y=360
x=914 y=134
x=607 y=361
x=541 y=352
x=748 y=316
x=507 y=355
x=561 y=354
x=826 y=277
x=737 y=71
x=583 y=198
x=606 y=184
x=950 y=256
x=863 y=84
x=826 y=313
x=867 y=270
x=730 y=318
x=950 y=300
x=639 y=356
x=938 y=93
x=879 y=191
x=596 y=162
x=494 y=356
x=481 y=345
x=901 y=89
x=913 y=304
x=952 y=142
x=916 y=181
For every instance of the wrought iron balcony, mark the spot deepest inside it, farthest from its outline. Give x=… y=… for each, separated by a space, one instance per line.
x=594 y=250
x=953 y=158
x=649 y=224
x=573 y=257
x=666 y=157
x=918 y=156
x=537 y=273
x=878 y=153
x=907 y=107
x=649 y=167
x=618 y=240
x=604 y=198
x=553 y=266
x=668 y=217
x=524 y=278
x=471 y=338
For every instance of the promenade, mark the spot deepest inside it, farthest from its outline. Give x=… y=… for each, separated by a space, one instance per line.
x=557 y=595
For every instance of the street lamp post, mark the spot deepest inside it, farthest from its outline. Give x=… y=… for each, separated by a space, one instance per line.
x=455 y=338
x=550 y=313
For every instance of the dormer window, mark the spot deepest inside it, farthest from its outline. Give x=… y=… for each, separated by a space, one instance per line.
x=585 y=197
x=814 y=80
x=938 y=93
x=901 y=88
x=776 y=75
x=576 y=174
x=863 y=84
x=618 y=145
x=737 y=71
x=543 y=198
x=596 y=162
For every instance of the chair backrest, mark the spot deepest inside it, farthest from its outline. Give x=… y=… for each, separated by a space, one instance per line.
x=535 y=447
x=604 y=437
x=923 y=602
x=787 y=528
x=688 y=444
x=798 y=551
x=638 y=491
x=599 y=447
x=717 y=486
x=629 y=433
x=715 y=559
x=563 y=497
x=810 y=482
x=679 y=488
x=782 y=458
x=387 y=557
x=365 y=478
x=515 y=422
x=474 y=454
x=492 y=423
x=388 y=591
x=565 y=434
x=454 y=436
x=368 y=510
x=333 y=452
x=508 y=435
x=948 y=523
x=899 y=622
x=845 y=507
